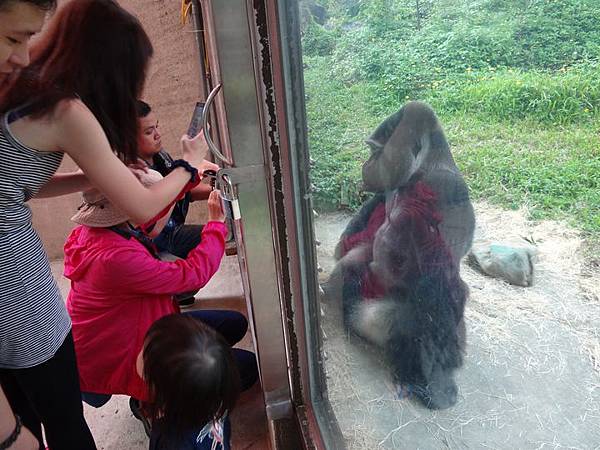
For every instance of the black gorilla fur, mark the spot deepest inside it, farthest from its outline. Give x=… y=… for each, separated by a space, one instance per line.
x=411 y=255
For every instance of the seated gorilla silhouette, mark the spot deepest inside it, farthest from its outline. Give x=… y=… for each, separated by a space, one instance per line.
x=398 y=258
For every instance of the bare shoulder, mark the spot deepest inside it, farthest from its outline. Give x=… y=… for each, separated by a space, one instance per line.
x=76 y=127
x=72 y=112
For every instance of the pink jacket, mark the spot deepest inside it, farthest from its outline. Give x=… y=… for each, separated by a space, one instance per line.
x=118 y=289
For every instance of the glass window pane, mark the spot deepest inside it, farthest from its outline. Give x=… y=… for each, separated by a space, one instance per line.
x=457 y=188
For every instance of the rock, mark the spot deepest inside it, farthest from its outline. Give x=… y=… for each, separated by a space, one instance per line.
x=512 y=264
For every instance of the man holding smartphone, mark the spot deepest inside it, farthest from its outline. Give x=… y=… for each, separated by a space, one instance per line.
x=177 y=238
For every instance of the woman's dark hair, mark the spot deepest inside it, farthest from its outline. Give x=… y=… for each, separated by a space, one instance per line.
x=44 y=5
x=143 y=108
x=191 y=376
x=94 y=50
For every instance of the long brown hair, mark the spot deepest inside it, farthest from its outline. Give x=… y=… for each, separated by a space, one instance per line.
x=191 y=376
x=94 y=50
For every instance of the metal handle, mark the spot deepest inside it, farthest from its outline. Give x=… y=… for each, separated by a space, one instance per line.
x=211 y=145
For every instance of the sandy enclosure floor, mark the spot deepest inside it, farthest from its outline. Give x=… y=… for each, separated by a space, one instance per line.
x=531 y=377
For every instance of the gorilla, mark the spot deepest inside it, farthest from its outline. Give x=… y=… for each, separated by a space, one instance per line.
x=398 y=259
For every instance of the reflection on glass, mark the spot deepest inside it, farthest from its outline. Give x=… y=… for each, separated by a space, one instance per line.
x=439 y=330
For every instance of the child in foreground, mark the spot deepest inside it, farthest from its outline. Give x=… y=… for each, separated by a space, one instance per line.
x=193 y=383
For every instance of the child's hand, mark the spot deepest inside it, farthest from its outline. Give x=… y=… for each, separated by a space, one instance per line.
x=215 y=207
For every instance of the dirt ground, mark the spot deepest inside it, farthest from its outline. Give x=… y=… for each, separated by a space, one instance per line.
x=531 y=377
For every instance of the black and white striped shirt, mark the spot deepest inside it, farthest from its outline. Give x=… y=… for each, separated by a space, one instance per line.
x=33 y=318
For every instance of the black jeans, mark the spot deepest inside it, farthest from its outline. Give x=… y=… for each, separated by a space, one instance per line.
x=49 y=394
x=232 y=325
x=180 y=241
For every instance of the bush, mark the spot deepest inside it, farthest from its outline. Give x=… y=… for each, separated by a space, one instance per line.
x=317 y=40
x=555 y=171
x=338 y=123
x=566 y=96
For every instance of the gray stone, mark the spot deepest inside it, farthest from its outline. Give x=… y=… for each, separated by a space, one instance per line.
x=512 y=264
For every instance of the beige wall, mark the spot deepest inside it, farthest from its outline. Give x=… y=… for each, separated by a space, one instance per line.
x=172 y=88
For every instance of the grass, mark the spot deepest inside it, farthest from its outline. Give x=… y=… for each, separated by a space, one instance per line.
x=568 y=95
x=554 y=170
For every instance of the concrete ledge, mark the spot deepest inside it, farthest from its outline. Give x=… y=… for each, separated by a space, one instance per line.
x=226 y=284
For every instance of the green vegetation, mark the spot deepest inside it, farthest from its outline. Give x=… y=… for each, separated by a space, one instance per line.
x=554 y=171
x=515 y=83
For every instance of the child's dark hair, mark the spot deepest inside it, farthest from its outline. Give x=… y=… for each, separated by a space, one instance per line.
x=96 y=51
x=44 y=5
x=190 y=372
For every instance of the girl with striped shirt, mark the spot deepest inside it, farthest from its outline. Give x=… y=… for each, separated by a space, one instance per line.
x=77 y=96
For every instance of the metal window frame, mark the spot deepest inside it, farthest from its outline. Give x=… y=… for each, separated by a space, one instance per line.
x=253 y=49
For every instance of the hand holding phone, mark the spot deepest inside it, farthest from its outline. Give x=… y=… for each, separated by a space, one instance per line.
x=195 y=150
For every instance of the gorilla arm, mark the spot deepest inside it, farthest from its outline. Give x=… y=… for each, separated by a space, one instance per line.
x=458 y=218
x=401 y=150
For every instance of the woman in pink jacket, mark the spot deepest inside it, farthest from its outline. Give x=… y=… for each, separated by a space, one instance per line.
x=119 y=288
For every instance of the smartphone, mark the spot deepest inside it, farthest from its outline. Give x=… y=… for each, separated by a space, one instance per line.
x=196 y=121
